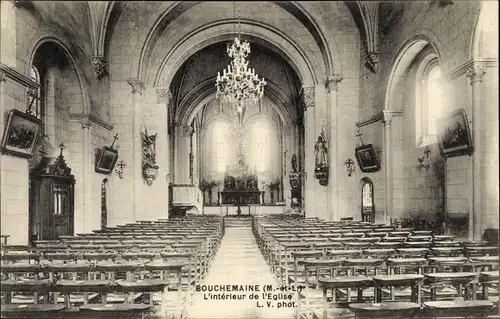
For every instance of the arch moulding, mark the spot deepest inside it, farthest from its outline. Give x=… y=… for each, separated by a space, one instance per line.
x=46 y=36
x=406 y=53
x=210 y=95
x=223 y=31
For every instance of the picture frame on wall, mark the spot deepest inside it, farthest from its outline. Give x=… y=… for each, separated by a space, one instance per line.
x=454 y=136
x=367 y=158
x=20 y=134
x=105 y=160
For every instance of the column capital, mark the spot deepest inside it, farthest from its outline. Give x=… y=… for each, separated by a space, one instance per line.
x=372 y=60
x=387 y=117
x=307 y=97
x=332 y=82
x=163 y=96
x=3 y=77
x=186 y=130
x=287 y=130
x=99 y=63
x=32 y=93
x=137 y=85
x=85 y=123
x=476 y=73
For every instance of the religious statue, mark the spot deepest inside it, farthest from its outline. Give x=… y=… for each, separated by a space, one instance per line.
x=149 y=148
x=320 y=151
x=321 y=167
x=294 y=163
x=149 y=167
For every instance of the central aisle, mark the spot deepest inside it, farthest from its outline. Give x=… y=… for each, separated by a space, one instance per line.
x=238 y=262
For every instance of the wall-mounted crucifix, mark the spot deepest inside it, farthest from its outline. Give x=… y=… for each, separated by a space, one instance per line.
x=114 y=140
x=121 y=165
x=358 y=135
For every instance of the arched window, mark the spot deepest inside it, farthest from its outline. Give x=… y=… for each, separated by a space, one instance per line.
x=260 y=148
x=220 y=145
x=434 y=95
x=34 y=97
x=430 y=101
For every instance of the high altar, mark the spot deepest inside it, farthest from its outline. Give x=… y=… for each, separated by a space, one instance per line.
x=240 y=187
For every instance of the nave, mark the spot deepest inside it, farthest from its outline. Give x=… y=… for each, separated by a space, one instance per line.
x=238 y=262
x=316 y=269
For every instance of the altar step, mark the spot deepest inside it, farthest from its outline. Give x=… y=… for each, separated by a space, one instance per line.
x=245 y=210
x=237 y=222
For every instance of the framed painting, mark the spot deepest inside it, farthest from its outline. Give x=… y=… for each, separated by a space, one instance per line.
x=454 y=137
x=367 y=158
x=106 y=160
x=20 y=134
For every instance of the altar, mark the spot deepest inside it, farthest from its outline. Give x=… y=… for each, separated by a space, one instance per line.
x=241 y=197
x=240 y=188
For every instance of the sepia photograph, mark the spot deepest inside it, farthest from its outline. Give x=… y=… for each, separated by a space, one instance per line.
x=249 y=159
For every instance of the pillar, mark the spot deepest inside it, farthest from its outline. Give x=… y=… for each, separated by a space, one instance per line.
x=388 y=212
x=301 y=156
x=163 y=97
x=87 y=223
x=288 y=150
x=137 y=90
x=196 y=151
x=475 y=75
x=333 y=115
x=183 y=133
x=309 y=162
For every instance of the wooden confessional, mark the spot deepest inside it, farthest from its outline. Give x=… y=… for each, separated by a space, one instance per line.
x=51 y=200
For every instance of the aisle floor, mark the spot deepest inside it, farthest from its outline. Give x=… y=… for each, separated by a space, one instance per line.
x=239 y=262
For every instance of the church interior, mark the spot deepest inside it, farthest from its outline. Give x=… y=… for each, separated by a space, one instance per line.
x=271 y=159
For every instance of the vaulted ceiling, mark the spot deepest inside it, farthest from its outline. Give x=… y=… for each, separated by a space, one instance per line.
x=195 y=79
x=90 y=27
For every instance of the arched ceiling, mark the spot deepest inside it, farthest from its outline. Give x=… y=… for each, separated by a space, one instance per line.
x=307 y=27
x=196 y=77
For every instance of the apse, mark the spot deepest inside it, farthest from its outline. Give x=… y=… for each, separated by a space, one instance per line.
x=252 y=137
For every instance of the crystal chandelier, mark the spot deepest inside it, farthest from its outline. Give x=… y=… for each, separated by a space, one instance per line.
x=239 y=83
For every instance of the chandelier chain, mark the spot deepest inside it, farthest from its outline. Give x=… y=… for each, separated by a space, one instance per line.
x=239 y=83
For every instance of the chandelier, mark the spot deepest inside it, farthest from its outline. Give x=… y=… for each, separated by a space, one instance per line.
x=239 y=83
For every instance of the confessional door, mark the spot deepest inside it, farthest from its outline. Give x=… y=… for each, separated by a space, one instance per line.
x=104 y=204
x=367 y=201
x=51 y=207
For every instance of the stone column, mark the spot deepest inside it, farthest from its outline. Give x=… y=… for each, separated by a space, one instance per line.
x=49 y=121
x=184 y=133
x=175 y=133
x=301 y=155
x=388 y=211
x=163 y=97
x=194 y=150
x=309 y=162
x=332 y=89
x=8 y=40
x=475 y=75
x=288 y=151
x=86 y=178
x=137 y=90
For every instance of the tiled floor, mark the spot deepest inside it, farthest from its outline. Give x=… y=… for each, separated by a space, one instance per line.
x=239 y=262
